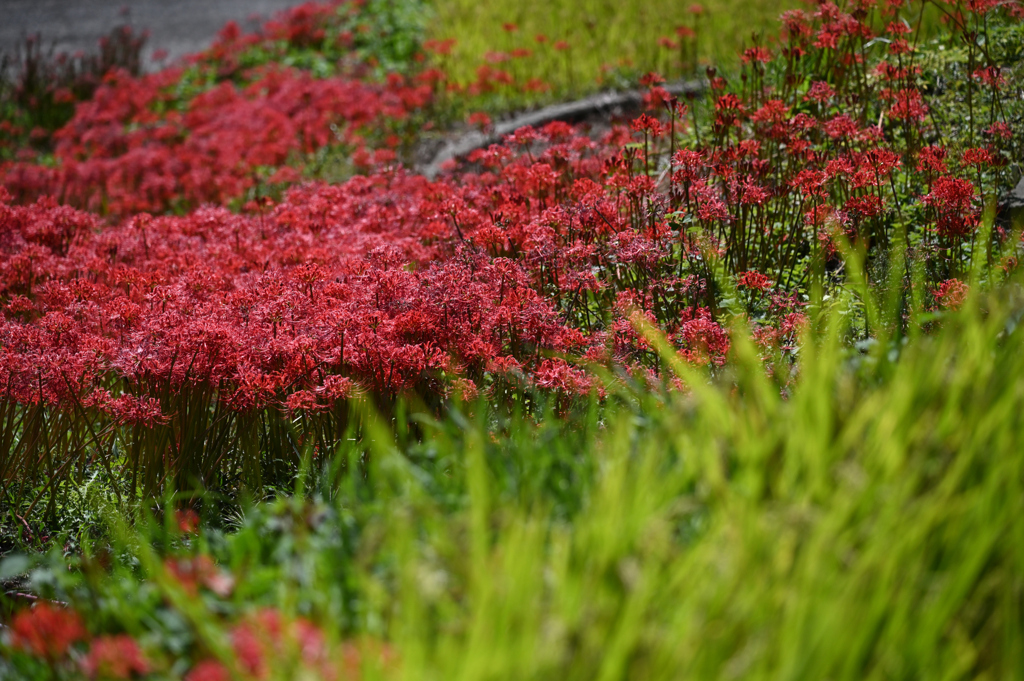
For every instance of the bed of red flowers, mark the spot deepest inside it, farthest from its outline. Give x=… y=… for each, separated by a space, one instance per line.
x=166 y=323
x=214 y=347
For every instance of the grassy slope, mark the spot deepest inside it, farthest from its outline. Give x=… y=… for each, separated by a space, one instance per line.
x=853 y=531
x=599 y=32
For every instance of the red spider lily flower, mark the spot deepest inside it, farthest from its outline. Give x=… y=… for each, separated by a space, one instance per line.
x=667 y=43
x=262 y=637
x=757 y=55
x=952 y=199
x=977 y=157
x=504 y=365
x=810 y=182
x=908 y=104
x=828 y=37
x=685 y=32
x=879 y=162
x=898 y=28
x=932 y=160
x=867 y=206
x=951 y=294
x=839 y=167
x=1000 y=130
x=648 y=125
x=116 y=657
x=748 y=149
x=729 y=110
x=766 y=337
x=656 y=98
x=464 y=390
x=479 y=119
x=232 y=132
x=561 y=46
x=829 y=223
x=753 y=194
x=509 y=28
x=690 y=166
x=773 y=111
x=702 y=340
x=992 y=76
x=982 y=6
x=187 y=520
x=754 y=281
x=536 y=85
x=557 y=374
x=820 y=92
x=710 y=206
x=797 y=25
x=794 y=323
x=127 y=409
x=651 y=79
x=46 y=630
x=303 y=401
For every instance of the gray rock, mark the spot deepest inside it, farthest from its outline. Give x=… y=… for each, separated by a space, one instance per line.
x=1015 y=199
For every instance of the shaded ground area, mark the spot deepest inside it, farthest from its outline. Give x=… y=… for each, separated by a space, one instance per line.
x=178 y=27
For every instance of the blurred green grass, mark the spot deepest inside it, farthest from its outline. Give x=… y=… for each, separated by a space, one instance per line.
x=603 y=35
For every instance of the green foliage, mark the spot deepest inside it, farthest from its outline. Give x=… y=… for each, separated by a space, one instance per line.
x=609 y=43
x=946 y=68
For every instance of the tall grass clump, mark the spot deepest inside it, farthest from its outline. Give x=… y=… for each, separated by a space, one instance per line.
x=867 y=525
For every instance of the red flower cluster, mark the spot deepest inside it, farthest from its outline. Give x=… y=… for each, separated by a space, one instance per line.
x=952 y=199
x=519 y=271
x=261 y=642
x=115 y=657
x=150 y=143
x=265 y=638
x=119 y=156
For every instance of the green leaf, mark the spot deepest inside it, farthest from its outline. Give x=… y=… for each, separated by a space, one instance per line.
x=15 y=565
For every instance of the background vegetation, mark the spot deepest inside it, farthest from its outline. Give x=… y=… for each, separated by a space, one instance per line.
x=606 y=42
